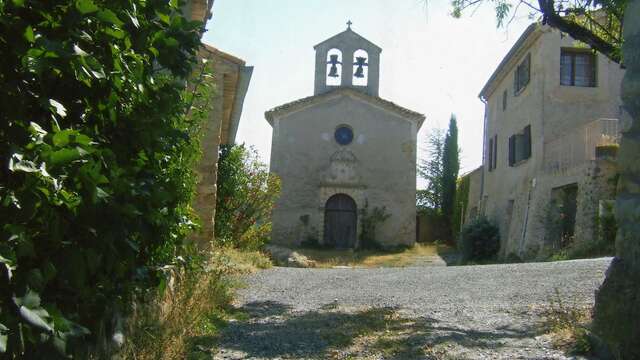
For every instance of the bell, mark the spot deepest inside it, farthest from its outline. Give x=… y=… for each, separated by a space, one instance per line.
x=360 y=61
x=333 y=71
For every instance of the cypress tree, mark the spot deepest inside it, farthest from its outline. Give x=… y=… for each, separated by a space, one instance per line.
x=450 y=169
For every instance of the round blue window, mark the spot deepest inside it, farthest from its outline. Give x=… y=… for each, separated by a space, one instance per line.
x=344 y=135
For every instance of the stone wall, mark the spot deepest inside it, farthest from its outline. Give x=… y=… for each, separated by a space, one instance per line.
x=617 y=308
x=378 y=168
x=230 y=80
x=515 y=196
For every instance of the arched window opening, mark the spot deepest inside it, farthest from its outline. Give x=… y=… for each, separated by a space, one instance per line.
x=361 y=68
x=334 y=67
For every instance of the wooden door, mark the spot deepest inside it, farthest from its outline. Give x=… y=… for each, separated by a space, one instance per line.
x=340 y=221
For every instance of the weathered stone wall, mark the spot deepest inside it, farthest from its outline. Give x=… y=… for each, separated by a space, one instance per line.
x=515 y=196
x=216 y=131
x=617 y=307
x=475 y=195
x=378 y=167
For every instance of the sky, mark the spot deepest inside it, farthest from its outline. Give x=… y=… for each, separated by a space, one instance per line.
x=431 y=62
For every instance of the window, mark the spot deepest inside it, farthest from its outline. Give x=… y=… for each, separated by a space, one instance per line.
x=520 y=146
x=490 y=154
x=504 y=100
x=343 y=135
x=493 y=152
x=577 y=68
x=522 y=75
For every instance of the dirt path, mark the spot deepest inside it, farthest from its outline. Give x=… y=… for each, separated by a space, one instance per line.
x=466 y=312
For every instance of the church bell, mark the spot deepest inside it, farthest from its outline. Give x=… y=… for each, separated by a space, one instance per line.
x=333 y=71
x=360 y=61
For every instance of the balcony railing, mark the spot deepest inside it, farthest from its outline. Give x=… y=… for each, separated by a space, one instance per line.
x=579 y=145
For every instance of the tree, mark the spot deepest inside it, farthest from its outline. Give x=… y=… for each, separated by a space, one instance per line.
x=97 y=155
x=450 y=169
x=431 y=171
x=246 y=193
x=595 y=23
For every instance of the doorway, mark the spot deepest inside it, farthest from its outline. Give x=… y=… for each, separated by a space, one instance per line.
x=340 y=222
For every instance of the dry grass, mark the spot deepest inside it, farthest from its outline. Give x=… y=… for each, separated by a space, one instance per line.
x=327 y=258
x=195 y=305
x=567 y=326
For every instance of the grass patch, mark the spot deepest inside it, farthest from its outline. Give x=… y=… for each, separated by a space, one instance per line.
x=182 y=321
x=327 y=258
x=567 y=326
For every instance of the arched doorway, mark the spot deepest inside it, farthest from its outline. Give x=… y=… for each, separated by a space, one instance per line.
x=340 y=221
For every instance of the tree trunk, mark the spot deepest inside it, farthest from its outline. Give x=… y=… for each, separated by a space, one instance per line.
x=617 y=310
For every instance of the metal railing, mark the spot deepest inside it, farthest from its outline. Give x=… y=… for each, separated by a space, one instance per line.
x=579 y=145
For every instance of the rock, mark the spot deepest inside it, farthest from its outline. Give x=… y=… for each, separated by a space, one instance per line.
x=283 y=256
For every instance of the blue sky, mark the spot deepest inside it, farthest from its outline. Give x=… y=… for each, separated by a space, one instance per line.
x=431 y=62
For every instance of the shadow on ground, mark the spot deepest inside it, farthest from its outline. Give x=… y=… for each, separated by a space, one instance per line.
x=273 y=330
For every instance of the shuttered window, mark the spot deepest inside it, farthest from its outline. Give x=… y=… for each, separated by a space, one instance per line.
x=577 y=68
x=526 y=137
x=495 y=151
x=504 y=100
x=522 y=75
x=490 y=154
x=520 y=146
x=512 y=150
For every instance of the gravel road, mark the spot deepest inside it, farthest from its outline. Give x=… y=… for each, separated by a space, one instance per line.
x=462 y=312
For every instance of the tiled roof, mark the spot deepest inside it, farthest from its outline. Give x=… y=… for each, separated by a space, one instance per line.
x=300 y=103
x=215 y=51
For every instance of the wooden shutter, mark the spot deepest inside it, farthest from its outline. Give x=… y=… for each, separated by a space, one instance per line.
x=490 y=154
x=526 y=71
x=512 y=150
x=527 y=141
x=495 y=151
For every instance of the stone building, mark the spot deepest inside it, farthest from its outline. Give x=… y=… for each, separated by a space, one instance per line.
x=551 y=124
x=343 y=152
x=231 y=79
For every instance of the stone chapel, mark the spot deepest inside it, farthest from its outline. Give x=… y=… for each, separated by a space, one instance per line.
x=343 y=152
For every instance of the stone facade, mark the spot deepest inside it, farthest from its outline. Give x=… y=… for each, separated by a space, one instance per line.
x=475 y=195
x=231 y=80
x=541 y=133
x=617 y=307
x=375 y=167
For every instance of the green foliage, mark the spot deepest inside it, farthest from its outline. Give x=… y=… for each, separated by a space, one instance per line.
x=369 y=220
x=97 y=155
x=450 y=169
x=479 y=240
x=596 y=23
x=603 y=243
x=431 y=171
x=441 y=173
x=460 y=205
x=245 y=198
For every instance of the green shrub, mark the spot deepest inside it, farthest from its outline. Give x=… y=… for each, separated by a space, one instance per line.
x=479 y=240
x=246 y=194
x=369 y=220
x=96 y=153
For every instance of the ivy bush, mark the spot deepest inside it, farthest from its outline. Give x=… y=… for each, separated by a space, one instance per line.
x=96 y=156
x=246 y=193
x=479 y=240
x=369 y=220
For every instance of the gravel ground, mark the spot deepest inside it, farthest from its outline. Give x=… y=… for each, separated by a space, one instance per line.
x=463 y=312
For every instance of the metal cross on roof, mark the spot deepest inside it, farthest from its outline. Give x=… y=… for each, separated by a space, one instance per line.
x=349 y=23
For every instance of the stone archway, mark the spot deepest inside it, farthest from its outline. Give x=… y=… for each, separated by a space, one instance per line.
x=340 y=221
